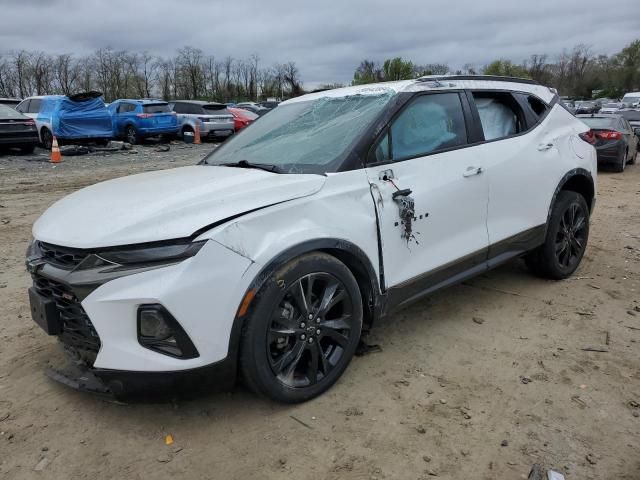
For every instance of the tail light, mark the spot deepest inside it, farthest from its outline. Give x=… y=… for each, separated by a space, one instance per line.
x=588 y=137
x=144 y=115
x=609 y=135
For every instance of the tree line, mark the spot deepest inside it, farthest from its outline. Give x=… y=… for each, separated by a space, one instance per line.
x=192 y=74
x=189 y=74
x=576 y=72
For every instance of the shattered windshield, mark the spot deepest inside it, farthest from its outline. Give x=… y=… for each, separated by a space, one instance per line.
x=305 y=136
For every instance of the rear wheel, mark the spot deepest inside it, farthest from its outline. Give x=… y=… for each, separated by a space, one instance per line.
x=131 y=135
x=566 y=240
x=47 y=138
x=303 y=330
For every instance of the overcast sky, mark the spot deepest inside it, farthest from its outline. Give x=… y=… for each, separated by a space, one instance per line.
x=327 y=39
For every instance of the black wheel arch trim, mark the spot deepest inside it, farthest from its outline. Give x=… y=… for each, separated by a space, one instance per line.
x=576 y=172
x=343 y=250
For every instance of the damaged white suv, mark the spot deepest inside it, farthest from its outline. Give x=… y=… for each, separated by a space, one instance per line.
x=271 y=258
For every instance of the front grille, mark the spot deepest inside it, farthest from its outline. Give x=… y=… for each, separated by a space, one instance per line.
x=64 y=257
x=78 y=333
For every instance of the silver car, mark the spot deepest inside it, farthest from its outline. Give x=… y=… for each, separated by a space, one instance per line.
x=214 y=118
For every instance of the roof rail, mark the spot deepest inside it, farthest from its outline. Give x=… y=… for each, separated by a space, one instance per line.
x=493 y=78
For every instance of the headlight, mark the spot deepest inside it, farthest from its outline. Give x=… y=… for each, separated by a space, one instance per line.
x=152 y=254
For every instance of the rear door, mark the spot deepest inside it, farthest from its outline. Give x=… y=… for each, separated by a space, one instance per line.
x=430 y=194
x=522 y=150
x=126 y=116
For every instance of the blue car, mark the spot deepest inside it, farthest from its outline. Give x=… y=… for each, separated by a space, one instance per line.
x=134 y=120
x=80 y=117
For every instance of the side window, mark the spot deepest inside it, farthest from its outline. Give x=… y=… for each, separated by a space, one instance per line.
x=500 y=114
x=23 y=106
x=538 y=106
x=195 y=109
x=34 y=105
x=178 y=108
x=430 y=123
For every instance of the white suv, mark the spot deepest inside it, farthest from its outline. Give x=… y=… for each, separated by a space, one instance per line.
x=274 y=255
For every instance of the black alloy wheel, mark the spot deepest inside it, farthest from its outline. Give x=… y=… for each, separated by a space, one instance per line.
x=131 y=135
x=310 y=330
x=566 y=238
x=571 y=237
x=302 y=329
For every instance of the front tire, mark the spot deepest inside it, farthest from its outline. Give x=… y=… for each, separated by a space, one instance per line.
x=566 y=239
x=303 y=329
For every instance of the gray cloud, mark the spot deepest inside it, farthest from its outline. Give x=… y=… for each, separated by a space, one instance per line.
x=327 y=40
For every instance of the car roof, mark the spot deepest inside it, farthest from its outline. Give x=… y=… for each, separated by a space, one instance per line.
x=436 y=83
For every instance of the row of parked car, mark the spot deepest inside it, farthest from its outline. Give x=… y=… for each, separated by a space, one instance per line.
x=85 y=117
x=603 y=105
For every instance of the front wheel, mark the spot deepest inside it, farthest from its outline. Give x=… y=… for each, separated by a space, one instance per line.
x=303 y=329
x=566 y=239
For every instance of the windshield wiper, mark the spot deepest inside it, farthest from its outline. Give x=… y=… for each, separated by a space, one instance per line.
x=246 y=164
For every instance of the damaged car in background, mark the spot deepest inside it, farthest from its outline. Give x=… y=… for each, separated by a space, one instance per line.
x=270 y=259
x=74 y=118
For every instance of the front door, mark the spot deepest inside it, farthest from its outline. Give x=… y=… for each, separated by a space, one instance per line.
x=430 y=192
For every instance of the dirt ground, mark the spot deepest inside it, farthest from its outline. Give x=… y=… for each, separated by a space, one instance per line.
x=477 y=382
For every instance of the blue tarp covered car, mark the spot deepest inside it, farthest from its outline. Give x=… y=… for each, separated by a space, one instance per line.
x=77 y=117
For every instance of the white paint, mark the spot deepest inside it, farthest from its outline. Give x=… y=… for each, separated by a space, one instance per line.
x=163 y=205
x=466 y=212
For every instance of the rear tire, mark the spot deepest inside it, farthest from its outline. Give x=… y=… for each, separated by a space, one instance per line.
x=130 y=135
x=47 y=138
x=303 y=329
x=566 y=240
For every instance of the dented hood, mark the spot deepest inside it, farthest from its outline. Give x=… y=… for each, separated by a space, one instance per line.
x=165 y=204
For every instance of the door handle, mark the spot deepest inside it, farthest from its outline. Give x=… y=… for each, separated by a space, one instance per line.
x=471 y=171
x=544 y=146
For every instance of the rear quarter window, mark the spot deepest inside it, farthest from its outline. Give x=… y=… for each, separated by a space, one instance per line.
x=156 y=108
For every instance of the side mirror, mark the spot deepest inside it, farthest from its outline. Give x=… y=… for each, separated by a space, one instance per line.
x=636 y=130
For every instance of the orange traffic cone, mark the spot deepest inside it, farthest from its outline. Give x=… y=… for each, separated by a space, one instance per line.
x=196 y=137
x=55 y=151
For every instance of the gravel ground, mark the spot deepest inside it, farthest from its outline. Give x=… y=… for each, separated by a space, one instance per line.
x=479 y=381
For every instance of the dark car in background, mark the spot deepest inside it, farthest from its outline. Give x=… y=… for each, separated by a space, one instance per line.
x=253 y=107
x=17 y=130
x=269 y=104
x=585 y=106
x=615 y=141
x=242 y=118
x=135 y=120
x=633 y=117
x=10 y=102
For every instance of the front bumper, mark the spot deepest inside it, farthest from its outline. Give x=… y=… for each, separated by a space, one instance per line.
x=131 y=385
x=202 y=293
